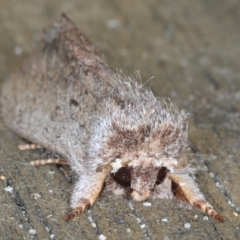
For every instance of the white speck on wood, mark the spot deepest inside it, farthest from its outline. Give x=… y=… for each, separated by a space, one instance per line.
x=211 y=175
x=9 y=189
x=90 y=219
x=102 y=237
x=147 y=204
x=32 y=231
x=139 y=220
x=113 y=23
x=36 y=196
x=93 y=225
x=187 y=225
x=142 y=226
x=18 y=50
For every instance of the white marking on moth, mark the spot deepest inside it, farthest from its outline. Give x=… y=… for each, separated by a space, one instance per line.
x=146 y=139
x=164 y=220
x=182 y=184
x=144 y=111
x=116 y=165
x=166 y=162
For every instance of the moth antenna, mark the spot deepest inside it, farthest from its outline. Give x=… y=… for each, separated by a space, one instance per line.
x=77 y=211
x=185 y=189
x=204 y=206
x=86 y=195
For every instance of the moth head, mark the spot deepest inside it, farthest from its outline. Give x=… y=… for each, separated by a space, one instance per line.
x=141 y=174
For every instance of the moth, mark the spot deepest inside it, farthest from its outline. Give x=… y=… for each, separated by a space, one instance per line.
x=115 y=135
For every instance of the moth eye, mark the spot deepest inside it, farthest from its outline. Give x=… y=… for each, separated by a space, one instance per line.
x=161 y=175
x=122 y=176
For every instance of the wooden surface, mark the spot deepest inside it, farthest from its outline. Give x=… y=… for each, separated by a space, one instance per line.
x=192 y=49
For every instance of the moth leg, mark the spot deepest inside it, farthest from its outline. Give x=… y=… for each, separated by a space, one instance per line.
x=87 y=190
x=185 y=189
x=23 y=147
x=66 y=174
x=42 y=162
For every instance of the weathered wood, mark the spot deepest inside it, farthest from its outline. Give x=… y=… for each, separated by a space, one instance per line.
x=192 y=49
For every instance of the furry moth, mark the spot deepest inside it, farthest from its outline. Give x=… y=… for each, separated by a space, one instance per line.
x=116 y=135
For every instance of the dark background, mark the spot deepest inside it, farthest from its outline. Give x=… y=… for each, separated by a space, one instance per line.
x=192 y=50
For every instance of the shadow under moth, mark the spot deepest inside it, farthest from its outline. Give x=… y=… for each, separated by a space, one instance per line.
x=115 y=134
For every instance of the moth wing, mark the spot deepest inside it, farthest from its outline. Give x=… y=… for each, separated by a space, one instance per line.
x=55 y=96
x=77 y=43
